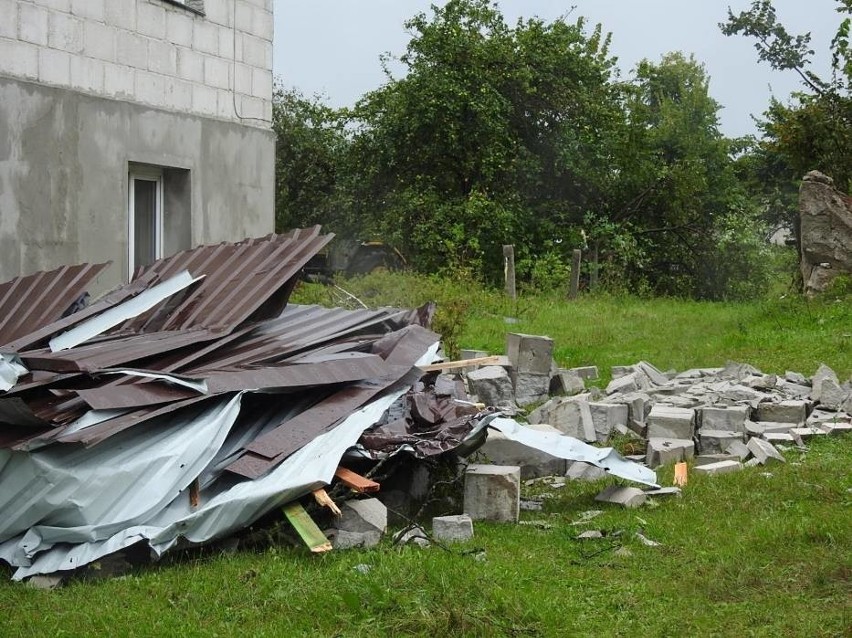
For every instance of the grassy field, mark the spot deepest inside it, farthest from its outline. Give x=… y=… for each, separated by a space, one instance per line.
x=765 y=552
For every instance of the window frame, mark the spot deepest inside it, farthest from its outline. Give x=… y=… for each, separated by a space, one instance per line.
x=145 y=174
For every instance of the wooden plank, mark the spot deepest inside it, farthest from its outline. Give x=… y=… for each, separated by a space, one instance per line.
x=497 y=359
x=356 y=481
x=306 y=528
x=322 y=498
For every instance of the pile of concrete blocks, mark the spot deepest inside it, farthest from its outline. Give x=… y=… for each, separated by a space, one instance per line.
x=719 y=418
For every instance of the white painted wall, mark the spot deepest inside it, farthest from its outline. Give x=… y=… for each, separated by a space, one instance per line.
x=147 y=51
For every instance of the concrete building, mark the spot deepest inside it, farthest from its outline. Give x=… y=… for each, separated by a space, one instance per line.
x=132 y=129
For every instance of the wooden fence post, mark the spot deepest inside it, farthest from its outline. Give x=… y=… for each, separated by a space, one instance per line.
x=575 y=274
x=509 y=270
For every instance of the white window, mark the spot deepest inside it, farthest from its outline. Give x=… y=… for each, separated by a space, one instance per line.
x=145 y=217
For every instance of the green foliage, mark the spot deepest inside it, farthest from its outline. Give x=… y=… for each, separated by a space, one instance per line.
x=309 y=150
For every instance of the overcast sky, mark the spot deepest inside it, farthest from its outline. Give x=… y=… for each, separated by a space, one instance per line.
x=331 y=48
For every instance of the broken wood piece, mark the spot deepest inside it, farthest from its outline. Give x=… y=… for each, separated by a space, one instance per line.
x=680 y=474
x=356 y=481
x=194 y=493
x=323 y=499
x=306 y=528
x=465 y=363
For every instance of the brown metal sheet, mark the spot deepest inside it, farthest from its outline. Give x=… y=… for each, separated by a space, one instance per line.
x=238 y=279
x=116 y=351
x=134 y=395
x=34 y=301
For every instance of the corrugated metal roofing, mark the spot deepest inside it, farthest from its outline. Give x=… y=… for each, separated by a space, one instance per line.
x=32 y=302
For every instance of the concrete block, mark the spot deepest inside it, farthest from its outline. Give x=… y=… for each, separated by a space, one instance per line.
x=793 y=390
x=833 y=429
x=205 y=37
x=627 y=383
x=566 y=382
x=738 y=449
x=530 y=387
x=178 y=94
x=605 y=416
x=664 y=491
x=492 y=385
x=204 y=99
x=99 y=41
x=363 y=515
x=625 y=496
x=764 y=451
x=709 y=459
x=65 y=33
x=151 y=20
x=782 y=437
x=671 y=423
x=472 y=354
x=150 y=87
x=179 y=29
x=414 y=536
x=529 y=353
x=775 y=426
x=46 y=581
x=833 y=395
x=795 y=377
x=499 y=450
x=217 y=73
x=32 y=23
x=638 y=407
x=716 y=441
x=823 y=373
x=162 y=57
x=9 y=23
x=54 y=67
x=342 y=539
x=731 y=418
x=790 y=411
x=88 y=74
x=132 y=50
x=666 y=451
x=652 y=373
x=492 y=492
x=818 y=417
x=807 y=433
x=720 y=467
x=19 y=58
x=119 y=81
x=452 y=528
x=616 y=372
x=754 y=428
x=579 y=471
x=91 y=9
x=122 y=14
x=586 y=372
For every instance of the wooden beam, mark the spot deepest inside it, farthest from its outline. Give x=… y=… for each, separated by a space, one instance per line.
x=306 y=528
x=356 y=481
x=323 y=499
x=466 y=363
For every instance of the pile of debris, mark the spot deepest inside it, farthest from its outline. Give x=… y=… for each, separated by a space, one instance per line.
x=184 y=406
x=722 y=418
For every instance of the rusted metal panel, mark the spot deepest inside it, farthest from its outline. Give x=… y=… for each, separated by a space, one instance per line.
x=32 y=302
x=239 y=279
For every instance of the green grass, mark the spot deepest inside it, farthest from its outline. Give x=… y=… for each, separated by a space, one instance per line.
x=746 y=554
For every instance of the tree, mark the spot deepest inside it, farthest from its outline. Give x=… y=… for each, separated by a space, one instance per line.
x=815 y=130
x=495 y=134
x=309 y=151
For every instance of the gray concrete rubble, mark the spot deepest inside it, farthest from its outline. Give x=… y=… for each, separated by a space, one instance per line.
x=500 y=450
x=667 y=451
x=663 y=492
x=790 y=411
x=589 y=373
x=362 y=524
x=730 y=418
x=764 y=451
x=709 y=459
x=621 y=495
x=566 y=382
x=716 y=441
x=492 y=385
x=451 y=529
x=669 y=422
x=414 y=536
x=579 y=471
x=492 y=492
x=738 y=449
x=720 y=467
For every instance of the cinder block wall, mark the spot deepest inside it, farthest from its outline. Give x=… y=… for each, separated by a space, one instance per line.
x=153 y=52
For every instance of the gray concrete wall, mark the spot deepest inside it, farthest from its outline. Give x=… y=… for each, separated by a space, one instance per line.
x=64 y=159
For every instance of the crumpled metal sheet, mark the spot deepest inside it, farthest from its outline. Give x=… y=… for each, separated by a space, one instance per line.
x=10 y=370
x=224 y=508
x=65 y=494
x=571 y=449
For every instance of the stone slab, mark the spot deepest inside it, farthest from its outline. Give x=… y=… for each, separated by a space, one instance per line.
x=720 y=467
x=492 y=492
